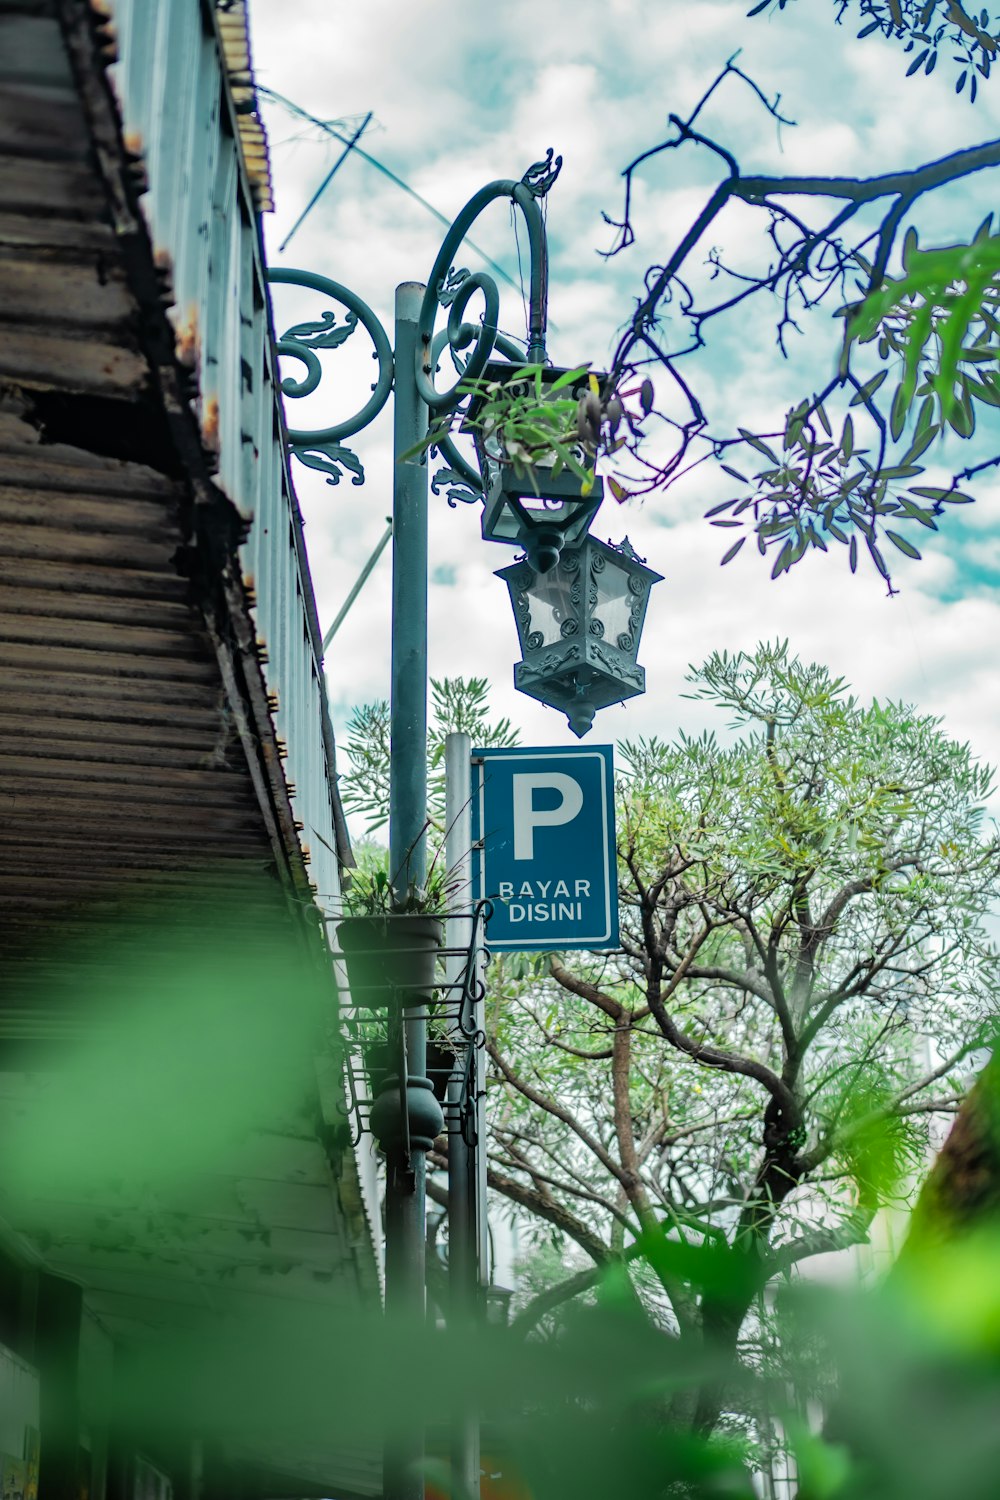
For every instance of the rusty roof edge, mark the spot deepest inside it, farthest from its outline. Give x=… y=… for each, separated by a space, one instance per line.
x=345 y=853
x=231 y=24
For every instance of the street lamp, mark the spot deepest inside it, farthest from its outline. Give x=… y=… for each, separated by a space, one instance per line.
x=579 y=625
x=548 y=519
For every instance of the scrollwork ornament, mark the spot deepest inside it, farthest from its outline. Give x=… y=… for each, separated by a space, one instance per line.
x=455 y=290
x=322 y=334
x=535 y=640
x=301 y=342
x=541 y=175
x=464 y=484
x=522 y=609
x=332 y=459
x=569 y=627
x=449 y=288
x=615 y=667
x=553 y=661
x=456 y=489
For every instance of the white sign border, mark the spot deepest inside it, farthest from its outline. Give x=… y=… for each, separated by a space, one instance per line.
x=547 y=945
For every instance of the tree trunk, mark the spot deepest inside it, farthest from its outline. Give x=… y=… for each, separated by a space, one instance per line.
x=962 y=1190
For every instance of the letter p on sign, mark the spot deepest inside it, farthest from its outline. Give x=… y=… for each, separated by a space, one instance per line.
x=528 y=817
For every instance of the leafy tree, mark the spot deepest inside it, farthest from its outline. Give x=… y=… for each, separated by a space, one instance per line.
x=803 y=976
x=908 y=337
x=928 y=29
x=457 y=705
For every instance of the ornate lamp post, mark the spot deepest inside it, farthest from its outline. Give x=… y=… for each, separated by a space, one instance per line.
x=548 y=517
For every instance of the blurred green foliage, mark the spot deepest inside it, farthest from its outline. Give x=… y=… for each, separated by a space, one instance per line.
x=190 y=1021
x=204 y=1027
x=889 y=1394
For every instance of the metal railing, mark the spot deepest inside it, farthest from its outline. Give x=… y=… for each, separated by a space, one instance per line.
x=454 y=1032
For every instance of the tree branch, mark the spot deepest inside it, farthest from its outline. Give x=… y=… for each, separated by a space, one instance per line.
x=552 y=1107
x=585 y=991
x=854 y=1231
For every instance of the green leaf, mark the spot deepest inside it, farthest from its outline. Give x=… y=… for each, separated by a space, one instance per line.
x=869 y=388
x=981 y=391
x=901 y=471
x=877 y=559
x=917 y=513
x=900 y=408
x=732 y=551
x=902 y=545
x=760 y=445
x=847 y=438
x=568 y=377
x=920 y=444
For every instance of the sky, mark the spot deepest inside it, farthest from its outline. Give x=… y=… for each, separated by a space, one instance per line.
x=462 y=94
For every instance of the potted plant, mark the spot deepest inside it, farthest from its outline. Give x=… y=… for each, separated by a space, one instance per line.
x=539 y=432
x=390 y=938
x=377 y=1044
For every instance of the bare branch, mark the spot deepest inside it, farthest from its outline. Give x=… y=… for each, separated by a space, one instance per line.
x=552 y=1107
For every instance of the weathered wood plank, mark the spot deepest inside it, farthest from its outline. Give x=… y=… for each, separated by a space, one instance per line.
x=55 y=362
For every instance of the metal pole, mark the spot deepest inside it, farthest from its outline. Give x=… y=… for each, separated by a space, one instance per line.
x=408 y=712
x=463 y=1235
x=405 y=1289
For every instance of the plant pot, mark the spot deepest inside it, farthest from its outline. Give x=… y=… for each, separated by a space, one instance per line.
x=440 y=1066
x=377 y=1065
x=390 y=958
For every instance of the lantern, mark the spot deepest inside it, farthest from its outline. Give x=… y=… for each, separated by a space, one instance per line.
x=579 y=624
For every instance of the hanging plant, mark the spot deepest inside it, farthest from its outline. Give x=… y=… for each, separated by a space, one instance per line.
x=538 y=418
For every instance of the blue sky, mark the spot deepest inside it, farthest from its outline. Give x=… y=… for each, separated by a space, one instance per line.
x=464 y=93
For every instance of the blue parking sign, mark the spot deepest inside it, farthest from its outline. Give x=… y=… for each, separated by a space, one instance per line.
x=543 y=825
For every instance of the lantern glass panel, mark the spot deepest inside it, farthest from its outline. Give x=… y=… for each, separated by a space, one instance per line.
x=550 y=604
x=614 y=602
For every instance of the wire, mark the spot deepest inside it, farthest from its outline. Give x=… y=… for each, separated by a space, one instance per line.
x=520 y=267
x=304 y=114
x=327 y=180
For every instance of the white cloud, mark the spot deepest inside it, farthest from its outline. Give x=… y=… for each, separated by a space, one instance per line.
x=465 y=94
